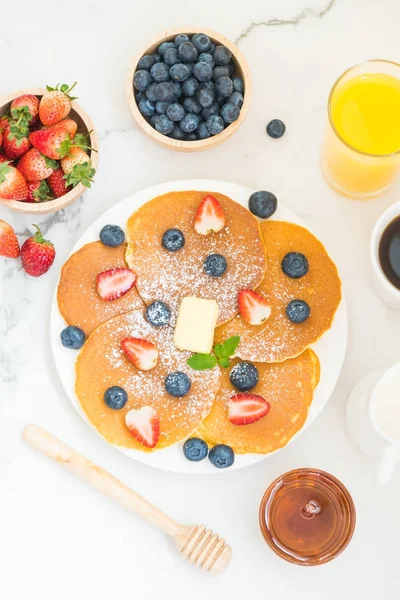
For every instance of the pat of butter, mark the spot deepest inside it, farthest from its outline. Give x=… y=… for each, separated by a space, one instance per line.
x=195 y=326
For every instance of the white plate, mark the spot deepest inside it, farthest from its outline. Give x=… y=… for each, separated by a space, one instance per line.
x=330 y=348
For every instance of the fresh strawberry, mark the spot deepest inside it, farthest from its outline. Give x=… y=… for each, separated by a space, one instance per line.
x=55 y=104
x=15 y=145
x=35 y=167
x=253 y=308
x=57 y=183
x=48 y=141
x=26 y=100
x=78 y=167
x=244 y=409
x=12 y=183
x=144 y=425
x=3 y=158
x=38 y=191
x=8 y=241
x=210 y=217
x=4 y=120
x=37 y=254
x=69 y=125
x=141 y=353
x=114 y=283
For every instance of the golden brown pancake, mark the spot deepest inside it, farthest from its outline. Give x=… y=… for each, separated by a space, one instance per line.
x=78 y=300
x=287 y=386
x=169 y=276
x=102 y=364
x=278 y=339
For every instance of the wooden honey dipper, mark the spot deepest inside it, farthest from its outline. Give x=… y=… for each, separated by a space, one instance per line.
x=200 y=546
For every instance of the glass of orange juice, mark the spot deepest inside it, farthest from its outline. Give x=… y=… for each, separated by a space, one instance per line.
x=361 y=149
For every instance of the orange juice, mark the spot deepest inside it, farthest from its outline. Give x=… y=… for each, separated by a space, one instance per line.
x=361 y=153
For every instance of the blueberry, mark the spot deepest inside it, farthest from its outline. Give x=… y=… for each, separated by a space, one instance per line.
x=202 y=71
x=191 y=137
x=276 y=128
x=190 y=87
x=224 y=86
x=189 y=123
x=263 y=204
x=146 y=62
x=188 y=52
x=238 y=84
x=205 y=97
x=163 y=47
x=152 y=120
x=175 y=112
x=72 y=337
x=115 y=397
x=173 y=240
x=190 y=68
x=211 y=110
x=215 y=124
x=220 y=72
x=160 y=72
x=171 y=57
x=215 y=265
x=151 y=92
x=158 y=313
x=141 y=80
x=237 y=99
x=146 y=108
x=156 y=56
x=177 y=384
x=221 y=100
x=195 y=449
x=178 y=134
x=203 y=132
x=161 y=107
x=163 y=124
x=191 y=106
x=165 y=91
x=202 y=42
x=180 y=38
x=177 y=89
x=207 y=58
x=112 y=235
x=221 y=456
x=230 y=112
x=244 y=376
x=295 y=265
x=298 y=311
x=212 y=48
x=139 y=96
x=179 y=72
x=222 y=55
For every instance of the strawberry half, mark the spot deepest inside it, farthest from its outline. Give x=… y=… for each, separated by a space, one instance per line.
x=210 y=217
x=253 y=308
x=141 y=353
x=244 y=409
x=114 y=283
x=8 y=241
x=144 y=425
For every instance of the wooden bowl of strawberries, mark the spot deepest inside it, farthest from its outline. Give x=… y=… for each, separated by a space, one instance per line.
x=48 y=149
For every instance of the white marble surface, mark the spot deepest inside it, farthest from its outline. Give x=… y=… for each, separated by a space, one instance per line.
x=59 y=539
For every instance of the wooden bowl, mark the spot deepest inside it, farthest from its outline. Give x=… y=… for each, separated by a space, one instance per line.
x=85 y=125
x=242 y=70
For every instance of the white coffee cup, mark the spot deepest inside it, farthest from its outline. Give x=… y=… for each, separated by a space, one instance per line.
x=373 y=418
x=383 y=287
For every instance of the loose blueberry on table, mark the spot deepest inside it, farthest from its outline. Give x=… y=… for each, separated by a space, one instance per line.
x=195 y=449
x=221 y=456
x=188 y=80
x=263 y=204
x=72 y=337
x=276 y=128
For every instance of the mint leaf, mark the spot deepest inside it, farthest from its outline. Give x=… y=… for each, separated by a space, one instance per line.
x=201 y=362
x=229 y=346
x=219 y=350
x=224 y=362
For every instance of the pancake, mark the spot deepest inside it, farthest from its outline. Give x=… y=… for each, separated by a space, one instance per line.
x=102 y=364
x=78 y=300
x=278 y=339
x=169 y=276
x=288 y=387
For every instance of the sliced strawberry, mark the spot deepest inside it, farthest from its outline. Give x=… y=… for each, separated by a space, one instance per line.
x=253 y=308
x=210 y=217
x=141 y=353
x=114 y=283
x=144 y=425
x=244 y=409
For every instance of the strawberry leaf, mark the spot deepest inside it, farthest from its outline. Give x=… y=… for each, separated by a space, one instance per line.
x=52 y=164
x=201 y=362
x=64 y=147
x=42 y=192
x=81 y=139
x=4 y=169
x=82 y=173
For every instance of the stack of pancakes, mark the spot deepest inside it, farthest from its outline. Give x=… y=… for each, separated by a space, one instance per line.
x=288 y=369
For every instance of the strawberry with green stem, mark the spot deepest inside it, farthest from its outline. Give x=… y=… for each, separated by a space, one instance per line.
x=55 y=104
x=12 y=183
x=28 y=101
x=76 y=163
x=38 y=191
x=222 y=355
x=34 y=166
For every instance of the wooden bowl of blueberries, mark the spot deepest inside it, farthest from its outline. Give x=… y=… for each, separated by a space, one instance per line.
x=190 y=89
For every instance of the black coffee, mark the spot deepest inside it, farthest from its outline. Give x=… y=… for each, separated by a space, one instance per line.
x=389 y=252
